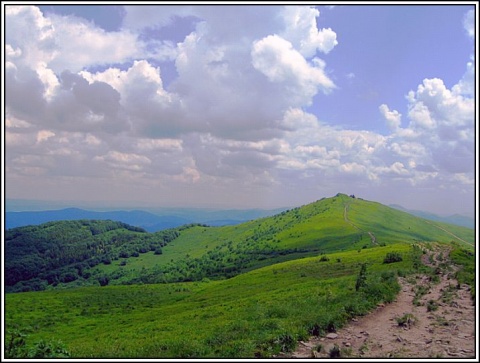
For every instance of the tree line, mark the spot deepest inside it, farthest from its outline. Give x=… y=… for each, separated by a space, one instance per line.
x=62 y=252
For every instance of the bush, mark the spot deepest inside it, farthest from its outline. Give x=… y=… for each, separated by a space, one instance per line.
x=392 y=257
x=324 y=259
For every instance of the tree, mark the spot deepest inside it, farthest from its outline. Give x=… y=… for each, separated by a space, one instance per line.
x=362 y=277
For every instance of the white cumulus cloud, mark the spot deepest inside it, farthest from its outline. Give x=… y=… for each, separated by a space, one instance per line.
x=301 y=30
x=392 y=117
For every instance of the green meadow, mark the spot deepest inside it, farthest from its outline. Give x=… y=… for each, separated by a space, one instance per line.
x=256 y=314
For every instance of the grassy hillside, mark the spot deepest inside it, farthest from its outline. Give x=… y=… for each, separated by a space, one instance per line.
x=256 y=314
x=390 y=225
x=331 y=224
x=340 y=223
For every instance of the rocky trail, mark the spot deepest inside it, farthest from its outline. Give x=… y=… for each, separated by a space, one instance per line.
x=431 y=318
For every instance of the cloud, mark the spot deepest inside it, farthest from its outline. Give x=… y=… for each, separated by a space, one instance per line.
x=469 y=23
x=466 y=85
x=119 y=160
x=301 y=30
x=44 y=135
x=224 y=108
x=439 y=139
x=393 y=118
x=218 y=89
x=432 y=105
x=65 y=42
x=24 y=83
x=276 y=58
x=140 y=17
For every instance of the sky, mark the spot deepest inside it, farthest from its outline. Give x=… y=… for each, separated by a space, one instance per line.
x=241 y=106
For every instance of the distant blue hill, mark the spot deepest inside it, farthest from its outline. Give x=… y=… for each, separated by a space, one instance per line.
x=151 y=222
x=456 y=219
x=148 y=221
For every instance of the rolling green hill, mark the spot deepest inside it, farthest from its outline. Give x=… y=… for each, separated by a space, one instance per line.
x=328 y=225
x=81 y=253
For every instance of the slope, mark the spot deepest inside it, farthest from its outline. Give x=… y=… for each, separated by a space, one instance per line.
x=327 y=225
x=256 y=314
x=196 y=252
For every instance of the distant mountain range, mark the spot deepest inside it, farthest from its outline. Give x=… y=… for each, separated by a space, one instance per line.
x=151 y=222
x=456 y=219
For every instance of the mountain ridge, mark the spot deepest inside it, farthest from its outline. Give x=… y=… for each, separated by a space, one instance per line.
x=151 y=222
x=456 y=219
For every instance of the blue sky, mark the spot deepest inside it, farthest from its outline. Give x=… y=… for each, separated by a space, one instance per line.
x=241 y=106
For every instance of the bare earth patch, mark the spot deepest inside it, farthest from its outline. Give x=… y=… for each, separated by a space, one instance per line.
x=429 y=319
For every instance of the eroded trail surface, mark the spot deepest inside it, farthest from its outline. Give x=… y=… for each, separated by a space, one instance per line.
x=429 y=319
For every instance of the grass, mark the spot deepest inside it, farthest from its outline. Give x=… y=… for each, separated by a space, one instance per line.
x=256 y=314
x=465 y=258
x=378 y=218
x=332 y=224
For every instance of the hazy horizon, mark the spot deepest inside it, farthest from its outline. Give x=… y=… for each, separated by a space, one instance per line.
x=241 y=106
x=28 y=205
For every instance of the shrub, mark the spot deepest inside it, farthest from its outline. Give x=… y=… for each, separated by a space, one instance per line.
x=315 y=330
x=432 y=305
x=335 y=352
x=361 y=278
x=286 y=342
x=392 y=257
x=103 y=280
x=406 y=320
x=45 y=349
x=16 y=347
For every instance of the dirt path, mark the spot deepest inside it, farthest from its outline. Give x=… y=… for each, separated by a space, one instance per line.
x=450 y=233
x=345 y=217
x=441 y=323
